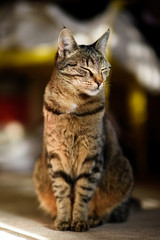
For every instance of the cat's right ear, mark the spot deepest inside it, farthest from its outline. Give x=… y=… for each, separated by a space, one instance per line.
x=66 y=43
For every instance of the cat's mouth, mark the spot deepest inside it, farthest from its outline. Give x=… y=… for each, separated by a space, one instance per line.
x=95 y=91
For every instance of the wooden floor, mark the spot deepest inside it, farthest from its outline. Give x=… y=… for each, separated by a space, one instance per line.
x=21 y=219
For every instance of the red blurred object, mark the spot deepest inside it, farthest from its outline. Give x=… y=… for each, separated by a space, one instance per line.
x=14 y=108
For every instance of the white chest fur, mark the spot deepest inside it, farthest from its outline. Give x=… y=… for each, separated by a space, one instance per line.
x=72 y=108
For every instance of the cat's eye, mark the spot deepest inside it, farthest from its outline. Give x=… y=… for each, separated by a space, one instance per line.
x=88 y=70
x=104 y=70
x=72 y=64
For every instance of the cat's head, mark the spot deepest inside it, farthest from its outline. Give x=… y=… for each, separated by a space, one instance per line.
x=82 y=67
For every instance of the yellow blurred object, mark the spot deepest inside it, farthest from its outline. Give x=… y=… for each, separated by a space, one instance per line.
x=137 y=106
x=19 y=58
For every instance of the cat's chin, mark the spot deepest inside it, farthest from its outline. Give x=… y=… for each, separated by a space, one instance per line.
x=93 y=92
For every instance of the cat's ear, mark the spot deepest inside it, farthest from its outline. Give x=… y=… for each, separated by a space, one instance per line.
x=101 y=43
x=66 y=43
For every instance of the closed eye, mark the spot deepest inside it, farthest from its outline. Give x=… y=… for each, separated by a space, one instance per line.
x=106 y=68
x=88 y=70
x=105 y=72
x=72 y=64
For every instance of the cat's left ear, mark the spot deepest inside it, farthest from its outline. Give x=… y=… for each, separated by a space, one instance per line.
x=66 y=43
x=101 y=43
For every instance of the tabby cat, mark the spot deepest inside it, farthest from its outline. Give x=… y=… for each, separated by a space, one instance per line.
x=82 y=178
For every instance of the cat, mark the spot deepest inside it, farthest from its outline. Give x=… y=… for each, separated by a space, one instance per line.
x=82 y=178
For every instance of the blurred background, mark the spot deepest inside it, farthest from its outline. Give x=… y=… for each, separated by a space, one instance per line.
x=28 y=43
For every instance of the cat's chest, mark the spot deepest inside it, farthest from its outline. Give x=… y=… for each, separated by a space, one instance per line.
x=72 y=137
x=72 y=108
x=66 y=136
x=62 y=129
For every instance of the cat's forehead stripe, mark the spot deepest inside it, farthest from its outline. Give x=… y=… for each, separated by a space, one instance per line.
x=88 y=49
x=90 y=54
x=89 y=59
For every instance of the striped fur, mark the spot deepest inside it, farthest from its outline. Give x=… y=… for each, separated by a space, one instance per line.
x=82 y=176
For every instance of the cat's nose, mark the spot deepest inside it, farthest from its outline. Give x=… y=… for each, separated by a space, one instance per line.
x=99 y=81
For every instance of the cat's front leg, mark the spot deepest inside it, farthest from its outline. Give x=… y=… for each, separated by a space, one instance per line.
x=80 y=208
x=62 y=194
x=61 y=186
x=84 y=189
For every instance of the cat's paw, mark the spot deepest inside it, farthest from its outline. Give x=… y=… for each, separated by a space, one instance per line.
x=94 y=222
x=62 y=225
x=79 y=226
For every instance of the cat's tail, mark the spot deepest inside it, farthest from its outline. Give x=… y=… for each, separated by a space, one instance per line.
x=135 y=205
